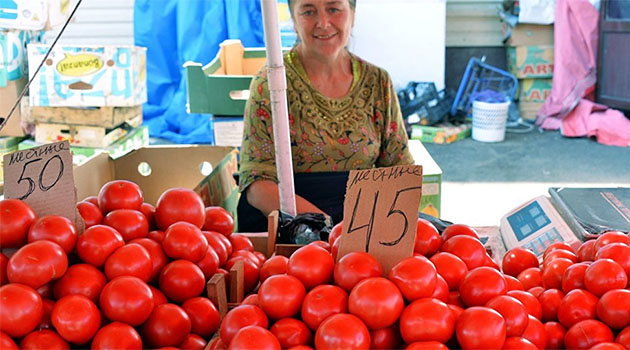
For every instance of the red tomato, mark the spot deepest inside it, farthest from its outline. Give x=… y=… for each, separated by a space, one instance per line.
x=559 y=253
x=218 y=220
x=247 y=255
x=618 y=252
x=76 y=318
x=518 y=259
x=480 y=327
x=217 y=244
x=376 y=301
x=4 y=261
x=467 y=248
x=209 y=264
x=45 y=322
x=119 y=194
x=158 y=297
x=254 y=337
x=168 y=325
x=204 y=316
x=240 y=317
x=240 y=242
x=587 y=333
x=623 y=337
x=459 y=230
x=132 y=259
x=158 y=258
x=81 y=279
x=43 y=339
x=513 y=283
x=428 y=239
x=557 y=246
x=586 y=251
x=604 y=275
x=514 y=313
x=276 y=265
x=577 y=305
x=454 y=298
x=250 y=270
x=611 y=237
x=531 y=303
x=131 y=224
x=148 y=210
x=90 y=213
x=20 y=309
x=535 y=332
x=553 y=272
x=451 y=268
x=46 y=291
x=251 y=299
x=573 y=277
x=181 y=280
x=482 y=284
x=335 y=233
x=426 y=345
x=613 y=308
x=37 y=263
x=342 y=331
x=183 y=240
x=518 y=343
x=441 y=290
x=228 y=243
x=97 y=243
x=427 y=319
x=91 y=199
x=555 y=335
x=192 y=342
x=385 y=338
x=6 y=342
x=127 y=299
x=354 y=267
x=291 y=332
x=536 y=291
x=156 y=235
x=550 y=300
x=322 y=244
x=312 y=265
x=608 y=346
x=334 y=249
x=281 y=296
x=179 y=204
x=323 y=301
x=16 y=217
x=416 y=277
x=216 y=343
x=530 y=277
x=117 y=335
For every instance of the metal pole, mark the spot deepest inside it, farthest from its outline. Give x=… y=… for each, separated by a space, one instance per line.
x=279 y=111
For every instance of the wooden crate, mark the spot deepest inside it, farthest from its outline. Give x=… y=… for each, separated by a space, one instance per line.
x=84 y=135
x=226 y=297
x=108 y=117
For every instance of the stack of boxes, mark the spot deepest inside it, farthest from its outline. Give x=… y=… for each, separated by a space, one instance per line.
x=530 y=59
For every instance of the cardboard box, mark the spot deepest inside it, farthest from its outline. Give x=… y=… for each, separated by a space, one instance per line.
x=534 y=89
x=529 y=110
x=524 y=34
x=158 y=168
x=228 y=131
x=13 y=55
x=8 y=144
x=108 y=117
x=23 y=14
x=8 y=96
x=441 y=133
x=530 y=61
x=431 y=200
x=88 y=76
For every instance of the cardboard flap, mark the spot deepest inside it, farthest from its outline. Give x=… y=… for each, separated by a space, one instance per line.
x=98 y=171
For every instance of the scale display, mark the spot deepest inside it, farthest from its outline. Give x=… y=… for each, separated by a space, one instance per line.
x=528 y=220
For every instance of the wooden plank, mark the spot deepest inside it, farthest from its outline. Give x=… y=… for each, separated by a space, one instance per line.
x=107 y=117
x=287 y=249
x=217 y=293
x=237 y=283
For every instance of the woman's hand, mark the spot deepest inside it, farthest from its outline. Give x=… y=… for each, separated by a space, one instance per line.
x=264 y=196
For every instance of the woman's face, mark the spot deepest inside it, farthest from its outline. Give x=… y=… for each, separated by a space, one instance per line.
x=323 y=26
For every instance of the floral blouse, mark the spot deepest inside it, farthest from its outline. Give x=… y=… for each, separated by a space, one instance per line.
x=362 y=130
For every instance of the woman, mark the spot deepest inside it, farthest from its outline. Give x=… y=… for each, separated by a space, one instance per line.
x=343 y=113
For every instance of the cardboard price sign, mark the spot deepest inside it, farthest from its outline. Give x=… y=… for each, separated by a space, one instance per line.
x=43 y=178
x=381 y=212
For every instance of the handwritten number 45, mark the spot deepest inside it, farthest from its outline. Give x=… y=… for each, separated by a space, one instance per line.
x=370 y=224
x=31 y=182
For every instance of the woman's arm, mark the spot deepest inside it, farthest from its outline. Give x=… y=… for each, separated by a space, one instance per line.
x=263 y=195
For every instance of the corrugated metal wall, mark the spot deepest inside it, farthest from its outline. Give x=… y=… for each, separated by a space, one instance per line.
x=471 y=23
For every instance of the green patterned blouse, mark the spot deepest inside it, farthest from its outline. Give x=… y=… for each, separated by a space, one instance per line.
x=361 y=130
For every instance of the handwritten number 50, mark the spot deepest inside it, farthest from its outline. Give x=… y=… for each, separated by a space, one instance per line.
x=31 y=182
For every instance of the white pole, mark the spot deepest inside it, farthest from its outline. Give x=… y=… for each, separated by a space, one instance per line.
x=279 y=111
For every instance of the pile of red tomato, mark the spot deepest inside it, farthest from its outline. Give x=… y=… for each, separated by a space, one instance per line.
x=134 y=279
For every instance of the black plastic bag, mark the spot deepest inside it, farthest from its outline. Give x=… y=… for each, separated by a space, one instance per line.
x=303 y=228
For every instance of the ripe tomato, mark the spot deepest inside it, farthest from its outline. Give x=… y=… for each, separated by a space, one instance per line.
x=535 y=332
x=181 y=280
x=37 y=263
x=354 y=267
x=132 y=259
x=556 y=246
x=623 y=337
x=482 y=284
x=426 y=345
x=427 y=319
x=179 y=204
x=91 y=199
x=385 y=338
x=192 y=342
x=608 y=346
x=217 y=244
x=240 y=317
x=618 y=252
x=520 y=343
x=158 y=297
x=4 y=261
x=376 y=301
x=240 y=242
x=441 y=290
x=322 y=244
x=342 y=331
x=586 y=251
x=611 y=237
x=247 y=255
x=97 y=243
x=56 y=229
x=513 y=311
x=550 y=300
x=81 y=279
x=127 y=299
x=577 y=305
x=20 y=309
x=554 y=271
x=513 y=283
x=518 y=259
x=467 y=248
x=586 y=334
x=559 y=253
x=204 y=316
x=158 y=258
x=555 y=335
x=428 y=239
x=168 y=325
x=45 y=322
x=531 y=277
x=6 y=342
x=250 y=270
x=416 y=277
x=90 y=213
x=323 y=301
x=312 y=265
x=251 y=299
x=209 y=264
x=119 y=194
x=76 y=318
x=254 y=337
x=16 y=217
x=613 y=308
x=480 y=327
x=228 y=243
x=218 y=220
x=281 y=296
x=276 y=265
x=183 y=240
x=131 y=224
x=459 y=230
x=156 y=235
x=117 y=335
x=531 y=303
x=573 y=277
x=335 y=233
x=43 y=339
x=291 y=332
x=451 y=268
x=604 y=275
x=148 y=210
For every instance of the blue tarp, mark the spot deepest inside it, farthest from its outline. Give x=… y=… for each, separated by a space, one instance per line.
x=177 y=31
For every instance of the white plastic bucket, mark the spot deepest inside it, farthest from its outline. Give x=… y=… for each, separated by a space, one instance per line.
x=488 y=121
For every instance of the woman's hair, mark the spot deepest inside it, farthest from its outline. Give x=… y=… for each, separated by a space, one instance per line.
x=353 y=5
